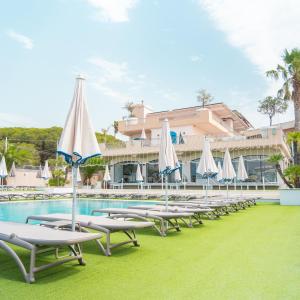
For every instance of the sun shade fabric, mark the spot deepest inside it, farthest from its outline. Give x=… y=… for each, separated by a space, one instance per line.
x=168 y=161
x=78 y=140
x=207 y=166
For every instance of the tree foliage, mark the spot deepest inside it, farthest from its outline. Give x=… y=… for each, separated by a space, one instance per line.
x=129 y=106
x=41 y=142
x=289 y=72
x=204 y=97
x=92 y=166
x=292 y=173
x=271 y=106
x=20 y=153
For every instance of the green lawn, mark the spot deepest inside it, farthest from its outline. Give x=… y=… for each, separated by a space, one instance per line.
x=253 y=254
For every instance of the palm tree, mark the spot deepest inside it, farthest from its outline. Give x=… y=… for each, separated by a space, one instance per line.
x=293 y=139
x=290 y=73
x=275 y=160
x=204 y=97
x=116 y=127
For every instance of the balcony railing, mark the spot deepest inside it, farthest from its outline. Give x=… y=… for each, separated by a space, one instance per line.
x=269 y=138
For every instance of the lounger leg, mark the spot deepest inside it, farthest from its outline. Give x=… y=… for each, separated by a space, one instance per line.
x=132 y=238
x=175 y=226
x=17 y=259
x=77 y=253
x=106 y=250
x=32 y=265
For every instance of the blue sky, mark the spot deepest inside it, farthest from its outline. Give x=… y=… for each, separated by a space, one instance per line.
x=161 y=52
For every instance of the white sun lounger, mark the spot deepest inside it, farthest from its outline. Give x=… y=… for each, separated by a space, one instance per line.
x=196 y=211
x=164 y=218
x=39 y=239
x=104 y=225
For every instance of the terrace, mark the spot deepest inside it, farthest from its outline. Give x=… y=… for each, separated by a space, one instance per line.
x=254 y=139
x=198 y=263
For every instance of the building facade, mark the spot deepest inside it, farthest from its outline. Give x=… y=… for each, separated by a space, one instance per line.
x=225 y=128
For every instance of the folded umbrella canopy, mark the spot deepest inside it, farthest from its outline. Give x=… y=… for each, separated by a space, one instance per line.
x=228 y=170
x=220 y=172
x=106 y=175
x=46 y=172
x=78 y=141
x=241 y=172
x=3 y=169
x=207 y=167
x=138 y=174
x=12 y=172
x=167 y=158
x=143 y=135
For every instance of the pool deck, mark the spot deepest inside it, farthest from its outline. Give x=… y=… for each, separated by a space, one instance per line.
x=267 y=195
x=251 y=254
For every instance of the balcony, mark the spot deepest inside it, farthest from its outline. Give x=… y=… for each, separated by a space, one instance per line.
x=202 y=119
x=191 y=143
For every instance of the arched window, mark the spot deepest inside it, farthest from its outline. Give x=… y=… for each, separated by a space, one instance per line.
x=194 y=166
x=125 y=171
x=153 y=175
x=257 y=168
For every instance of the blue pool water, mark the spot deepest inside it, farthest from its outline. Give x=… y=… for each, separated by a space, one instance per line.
x=18 y=211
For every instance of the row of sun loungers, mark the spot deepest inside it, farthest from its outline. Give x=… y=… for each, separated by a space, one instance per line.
x=54 y=229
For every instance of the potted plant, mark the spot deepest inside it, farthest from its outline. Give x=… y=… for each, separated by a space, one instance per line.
x=131 y=119
x=291 y=178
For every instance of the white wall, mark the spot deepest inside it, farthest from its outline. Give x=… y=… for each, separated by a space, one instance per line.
x=25 y=177
x=184 y=130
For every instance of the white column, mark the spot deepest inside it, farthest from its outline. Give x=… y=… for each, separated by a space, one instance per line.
x=112 y=173
x=144 y=171
x=186 y=171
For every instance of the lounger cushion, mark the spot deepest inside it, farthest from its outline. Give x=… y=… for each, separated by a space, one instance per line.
x=40 y=235
x=89 y=221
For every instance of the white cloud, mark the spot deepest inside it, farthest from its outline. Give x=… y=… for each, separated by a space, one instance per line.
x=261 y=29
x=24 y=40
x=111 y=70
x=195 y=58
x=113 y=10
x=115 y=80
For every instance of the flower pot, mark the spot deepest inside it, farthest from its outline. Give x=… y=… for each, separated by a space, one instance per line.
x=289 y=196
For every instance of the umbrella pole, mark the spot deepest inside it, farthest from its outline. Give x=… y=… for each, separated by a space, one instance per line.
x=206 y=191
x=74 y=202
x=166 y=191
x=227 y=190
x=241 y=191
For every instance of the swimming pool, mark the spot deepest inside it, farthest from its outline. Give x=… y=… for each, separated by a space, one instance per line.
x=18 y=211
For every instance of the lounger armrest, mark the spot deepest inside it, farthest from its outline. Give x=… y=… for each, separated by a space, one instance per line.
x=99 y=228
x=13 y=239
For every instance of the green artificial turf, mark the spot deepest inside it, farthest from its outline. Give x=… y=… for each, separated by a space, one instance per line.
x=252 y=254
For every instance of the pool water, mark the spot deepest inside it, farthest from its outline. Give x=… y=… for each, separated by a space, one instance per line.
x=18 y=211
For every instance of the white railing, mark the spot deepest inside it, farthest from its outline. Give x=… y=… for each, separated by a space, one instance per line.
x=191 y=140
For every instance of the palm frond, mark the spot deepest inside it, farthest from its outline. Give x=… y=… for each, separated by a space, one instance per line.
x=284 y=73
x=287 y=95
x=272 y=74
x=280 y=93
x=293 y=137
